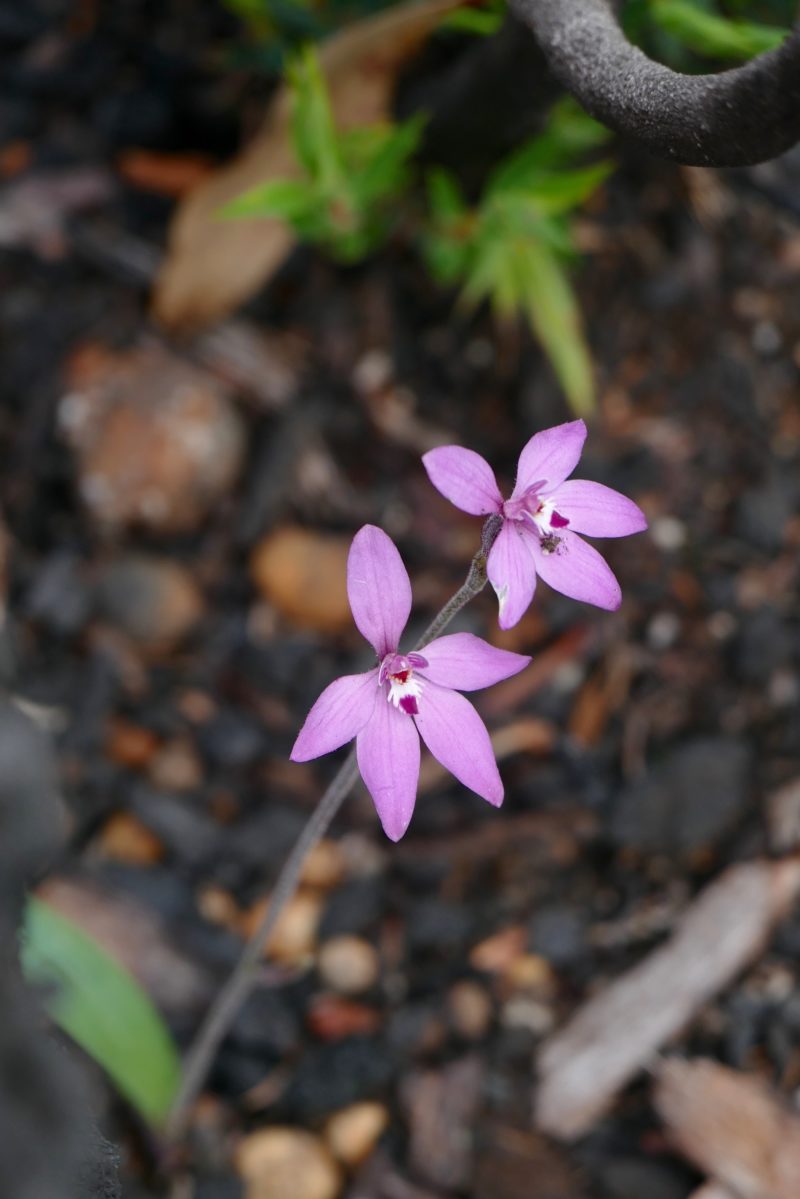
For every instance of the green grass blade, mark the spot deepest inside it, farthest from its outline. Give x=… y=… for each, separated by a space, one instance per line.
x=102 y=1007
x=713 y=35
x=552 y=308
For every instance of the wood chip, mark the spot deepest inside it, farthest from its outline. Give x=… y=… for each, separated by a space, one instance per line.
x=732 y=1127
x=582 y=1067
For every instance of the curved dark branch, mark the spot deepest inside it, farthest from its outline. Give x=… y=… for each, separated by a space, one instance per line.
x=735 y=118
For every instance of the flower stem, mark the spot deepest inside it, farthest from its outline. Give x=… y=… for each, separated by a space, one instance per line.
x=472 y=585
x=238 y=986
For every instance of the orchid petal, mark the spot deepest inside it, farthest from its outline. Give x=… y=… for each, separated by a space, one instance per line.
x=549 y=457
x=598 y=511
x=575 y=568
x=378 y=589
x=388 y=758
x=464 y=478
x=338 y=715
x=455 y=734
x=512 y=572
x=468 y=663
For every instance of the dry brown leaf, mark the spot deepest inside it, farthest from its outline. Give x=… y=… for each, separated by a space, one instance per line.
x=617 y=1032
x=213 y=265
x=732 y=1127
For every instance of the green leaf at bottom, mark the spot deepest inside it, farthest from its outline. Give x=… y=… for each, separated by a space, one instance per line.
x=102 y=1007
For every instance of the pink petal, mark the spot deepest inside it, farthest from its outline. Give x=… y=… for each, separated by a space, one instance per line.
x=464 y=478
x=512 y=571
x=455 y=734
x=575 y=568
x=378 y=589
x=467 y=663
x=549 y=457
x=338 y=715
x=598 y=511
x=388 y=758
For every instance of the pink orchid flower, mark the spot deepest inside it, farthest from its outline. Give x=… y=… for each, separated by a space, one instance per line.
x=405 y=696
x=541 y=520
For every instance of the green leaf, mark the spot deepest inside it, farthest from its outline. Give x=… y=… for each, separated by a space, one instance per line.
x=482 y=22
x=102 y=1007
x=313 y=128
x=713 y=35
x=552 y=308
x=557 y=192
x=290 y=199
x=444 y=195
x=381 y=158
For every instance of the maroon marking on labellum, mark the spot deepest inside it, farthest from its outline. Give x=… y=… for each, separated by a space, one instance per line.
x=557 y=521
x=409 y=705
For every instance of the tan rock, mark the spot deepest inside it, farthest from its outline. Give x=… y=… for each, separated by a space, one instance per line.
x=348 y=965
x=470 y=1009
x=153 y=600
x=125 y=839
x=295 y=936
x=352 y=1133
x=325 y=866
x=286 y=1163
x=303 y=574
x=176 y=766
x=157 y=439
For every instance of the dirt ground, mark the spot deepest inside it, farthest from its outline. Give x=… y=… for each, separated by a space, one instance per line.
x=175 y=547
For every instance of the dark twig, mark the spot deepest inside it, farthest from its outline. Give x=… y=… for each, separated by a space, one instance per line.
x=734 y=118
x=223 y=1011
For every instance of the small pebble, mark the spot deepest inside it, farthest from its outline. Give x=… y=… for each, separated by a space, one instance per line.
x=352 y=1133
x=325 y=866
x=153 y=600
x=663 y=630
x=286 y=1163
x=496 y=954
x=529 y=1014
x=130 y=745
x=303 y=574
x=470 y=1009
x=348 y=965
x=125 y=839
x=295 y=935
x=668 y=533
x=157 y=439
x=176 y=767
x=373 y=372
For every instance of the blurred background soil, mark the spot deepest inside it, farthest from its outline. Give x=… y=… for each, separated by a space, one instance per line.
x=177 y=520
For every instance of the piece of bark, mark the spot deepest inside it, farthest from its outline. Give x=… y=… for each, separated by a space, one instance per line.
x=732 y=1127
x=584 y=1065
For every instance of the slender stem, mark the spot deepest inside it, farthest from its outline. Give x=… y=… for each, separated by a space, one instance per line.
x=472 y=585
x=234 y=992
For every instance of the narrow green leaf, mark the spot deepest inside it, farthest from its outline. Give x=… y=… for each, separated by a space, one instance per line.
x=557 y=193
x=482 y=22
x=713 y=35
x=289 y=199
x=444 y=195
x=552 y=308
x=313 y=127
x=569 y=135
x=383 y=171
x=102 y=1007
